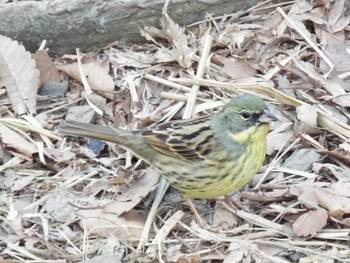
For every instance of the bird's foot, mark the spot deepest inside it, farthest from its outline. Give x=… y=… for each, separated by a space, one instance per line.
x=200 y=222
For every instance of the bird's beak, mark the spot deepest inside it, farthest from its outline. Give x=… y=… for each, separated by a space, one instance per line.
x=267 y=117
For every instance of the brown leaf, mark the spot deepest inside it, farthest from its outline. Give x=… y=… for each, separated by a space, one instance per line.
x=224 y=219
x=335 y=89
x=338 y=154
x=126 y=227
x=22 y=182
x=337 y=18
x=238 y=251
x=14 y=140
x=134 y=194
x=129 y=58
x=302 y=159
x=172 y=32
x=19 y=75
x=97 y=77
x=342 y=100
x=235 y=68
x=59 y=208
x=338 y=171
x=48 y=71
x=336 y=201
x=306 y=120
x=310 y=223
x=275 y=141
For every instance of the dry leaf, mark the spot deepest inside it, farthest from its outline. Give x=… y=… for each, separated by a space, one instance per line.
x=337 y=202
x=338 y=171
x=310 y=223
x=338 y=154
x=234 y=67
x=19 y=75
x=59 y=207
x=342 y=100
x=22 y=182
x=224 y=219
x=14 y=221
x=82 y=113
x=113 y=247
x=275 y=141
x=337 y=18
x=16 y=141
x=48 y=71
x=238 y=38
x=129 y=58
x=103 y=258
x=97 y=77
x=302 y=159
x=335 y=89
x=239 y=251
x=134 y=194
x=61 y=157
x=172 y=32
x=306 y=120
x=126 y=227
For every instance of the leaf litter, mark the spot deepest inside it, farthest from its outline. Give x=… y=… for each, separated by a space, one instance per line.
x=77 y=200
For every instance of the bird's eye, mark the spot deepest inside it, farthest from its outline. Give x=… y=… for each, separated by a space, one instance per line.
x=245 y=115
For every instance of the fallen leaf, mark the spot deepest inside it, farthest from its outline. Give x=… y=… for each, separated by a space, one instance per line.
x=134 y=194
x=113 y=247
x=338 y=171
x=336 y=201
x=306 y=120
x=48 y=71
x=16 y=141
x=234 y=67
x=224 y=219
x=275 y=141
x=59 y=207
x=342 y=100
x=22 y=182
x=310 y=223
x=19 y=75
x=174 y=33
x=126 y=227
x=302 y=159
x=97 y=77
x=238 y=251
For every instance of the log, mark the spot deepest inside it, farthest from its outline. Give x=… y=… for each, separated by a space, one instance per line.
x=90 y=24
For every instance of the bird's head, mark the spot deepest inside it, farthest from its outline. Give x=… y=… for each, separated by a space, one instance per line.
x=242 y=114
x=251 y=109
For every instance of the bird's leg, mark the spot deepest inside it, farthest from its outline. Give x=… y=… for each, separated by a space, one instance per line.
x=230 y=199
x=200 y=220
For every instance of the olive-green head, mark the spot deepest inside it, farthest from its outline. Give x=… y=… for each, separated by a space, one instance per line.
x=242 y=112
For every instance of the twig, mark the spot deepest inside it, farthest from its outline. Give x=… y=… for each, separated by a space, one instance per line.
x=163 y=233
x=172 y=84
x=161 y=189
x=191 y=102
x=308 y=40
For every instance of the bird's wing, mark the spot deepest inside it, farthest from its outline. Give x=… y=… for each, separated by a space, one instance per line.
x=188 y=139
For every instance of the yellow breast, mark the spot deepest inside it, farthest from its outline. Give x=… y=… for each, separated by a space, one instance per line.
x=213 y=181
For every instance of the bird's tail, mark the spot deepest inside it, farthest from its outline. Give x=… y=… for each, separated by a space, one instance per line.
x=94 y=131
x=128 y=140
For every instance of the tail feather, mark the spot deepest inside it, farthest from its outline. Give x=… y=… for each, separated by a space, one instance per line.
x=91 y=130
x=126 y=139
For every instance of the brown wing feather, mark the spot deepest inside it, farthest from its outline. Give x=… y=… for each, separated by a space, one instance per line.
x=188 y=139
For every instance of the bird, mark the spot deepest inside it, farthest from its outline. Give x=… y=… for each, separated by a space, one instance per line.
x=205 y=157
